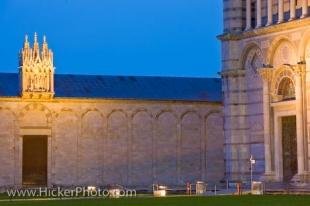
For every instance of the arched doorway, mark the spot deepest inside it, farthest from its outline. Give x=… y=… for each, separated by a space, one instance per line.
x=289 y=147
x=286 y=91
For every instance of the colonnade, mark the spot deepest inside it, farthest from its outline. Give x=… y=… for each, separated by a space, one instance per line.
x=270 y=13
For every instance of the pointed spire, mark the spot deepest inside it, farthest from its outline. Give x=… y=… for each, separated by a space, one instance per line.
x=36 y=49
x=44 y=48
x=26 y=43
x=35 y=37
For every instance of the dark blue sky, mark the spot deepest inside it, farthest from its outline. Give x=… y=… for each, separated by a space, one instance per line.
x=117 y=37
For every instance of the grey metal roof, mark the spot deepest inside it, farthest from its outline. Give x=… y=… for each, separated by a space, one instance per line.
x=125 y=87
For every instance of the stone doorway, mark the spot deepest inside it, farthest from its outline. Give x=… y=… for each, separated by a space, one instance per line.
x=289 y=147
x=34 y=160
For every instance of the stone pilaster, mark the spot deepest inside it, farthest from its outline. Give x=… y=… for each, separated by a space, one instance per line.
x=299 y=72
x=266 y=75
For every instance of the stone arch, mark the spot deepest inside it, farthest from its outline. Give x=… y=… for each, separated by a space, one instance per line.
x=89 y=147
x=253 y=60
x=215 y=165
x=304 y=46
x=304 y=49
x=166 y=148
x=278 y=76
x=117 y=111
x=141 y=110
x=246 y=52
x=65 y=148
x=286 y=88
x=282 y=51
x=35 y=114
x=85 y=112
x=116 y=153
x=166 y=111
x=142 y=148
x=7 y=134
x=190 y=148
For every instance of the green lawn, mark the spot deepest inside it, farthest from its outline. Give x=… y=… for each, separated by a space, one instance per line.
x=177 y=201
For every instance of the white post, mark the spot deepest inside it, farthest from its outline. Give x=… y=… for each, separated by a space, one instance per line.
x=248 y=15
x=269 y=12
x=215 y=189
x=252 y=162
x=251 y=174
x=258 y=13
x=292 y=9
x=304 y=8
x=280 y=11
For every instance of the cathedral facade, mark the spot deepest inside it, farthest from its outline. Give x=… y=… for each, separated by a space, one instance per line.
x=92 y=130
x=266 y=81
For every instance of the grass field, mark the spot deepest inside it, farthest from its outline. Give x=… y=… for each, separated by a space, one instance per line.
x=175 y=201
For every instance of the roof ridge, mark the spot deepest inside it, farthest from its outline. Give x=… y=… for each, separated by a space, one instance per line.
x=127 y=76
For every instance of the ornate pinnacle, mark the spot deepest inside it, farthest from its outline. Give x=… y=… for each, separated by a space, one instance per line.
x=35 y=37
x=44 y=39
x=26 y=43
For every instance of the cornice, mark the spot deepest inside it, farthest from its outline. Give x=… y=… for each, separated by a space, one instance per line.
x=232 y=73
x=265 y=30
x=102 y=100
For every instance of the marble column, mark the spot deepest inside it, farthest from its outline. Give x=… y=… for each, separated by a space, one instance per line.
x=292 y=9
x=265 y=73
x=258 y=13
x=269 y=12
x=248 y=15
x=304 y=8
x=280 y=11
x=299 y=119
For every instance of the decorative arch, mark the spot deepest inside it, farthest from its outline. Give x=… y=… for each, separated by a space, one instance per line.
x=116 y=140
x=90 y=143
x=7 y=134
x=219 y=112
x=253 y=60
x=115 y=111
x=215 y=141
x=166 y=111
x=66 y=110
x=304 y=46
x=9 y=110
x=65 y=156
x=190 y=147
x=137 y=111
x=39 y=112
x=166 y=141
x=284 y=73
x=141 y=150
x=91 y=110
x=282 y=51
x=249 y=52
x=190 y=112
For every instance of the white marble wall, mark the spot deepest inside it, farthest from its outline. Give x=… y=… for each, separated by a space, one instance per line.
x=242 y=55
x=134 y=143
